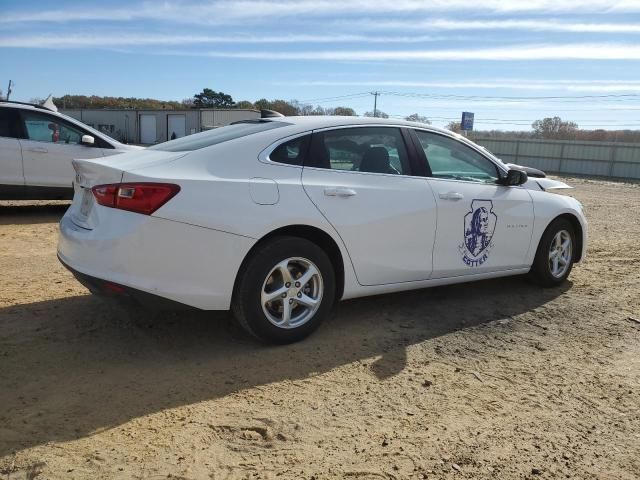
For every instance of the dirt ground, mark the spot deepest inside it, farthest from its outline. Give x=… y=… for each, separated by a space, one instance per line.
x=496 y=379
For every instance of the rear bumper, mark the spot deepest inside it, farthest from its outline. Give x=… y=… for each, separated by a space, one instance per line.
x=137 y=254
x=105 y=288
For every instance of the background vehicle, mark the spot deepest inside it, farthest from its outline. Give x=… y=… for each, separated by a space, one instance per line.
x=277 y=218
x=36 y=148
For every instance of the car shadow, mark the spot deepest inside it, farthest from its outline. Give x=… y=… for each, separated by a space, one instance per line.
x=23 y=213
x=73 y=366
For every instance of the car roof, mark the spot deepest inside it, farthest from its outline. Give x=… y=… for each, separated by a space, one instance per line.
x=305 y=123
x=317 y=122
x=24 y=105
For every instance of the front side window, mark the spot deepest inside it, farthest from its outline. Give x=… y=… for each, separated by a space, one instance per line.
x=449 y=158
x=292 y=152
x=45 y=128
x=362 y=149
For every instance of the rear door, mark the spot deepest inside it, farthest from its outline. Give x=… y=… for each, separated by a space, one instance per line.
x=482 y=226
x=49 y=145
x=360 y=178
x=10 y=153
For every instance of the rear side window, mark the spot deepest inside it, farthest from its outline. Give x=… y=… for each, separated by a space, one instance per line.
x=9 y=123
x=292 y=152
x=217 y=135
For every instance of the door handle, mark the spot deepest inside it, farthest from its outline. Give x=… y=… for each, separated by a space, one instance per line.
x=451 y=196
x=38 y=150
x=339 y=192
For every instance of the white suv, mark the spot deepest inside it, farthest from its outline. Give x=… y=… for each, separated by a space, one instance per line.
x=37 y=145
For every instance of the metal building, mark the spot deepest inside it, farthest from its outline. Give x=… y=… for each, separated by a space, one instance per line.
x=147 y=127
x=606 y=159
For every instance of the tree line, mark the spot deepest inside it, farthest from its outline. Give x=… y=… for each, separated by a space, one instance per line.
x=209 y=98
x=554 y=128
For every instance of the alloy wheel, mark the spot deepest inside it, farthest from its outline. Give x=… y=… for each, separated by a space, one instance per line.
x=560 y=254
x=292 y=292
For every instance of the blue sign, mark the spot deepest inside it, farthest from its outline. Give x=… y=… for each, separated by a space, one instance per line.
x=467 y=121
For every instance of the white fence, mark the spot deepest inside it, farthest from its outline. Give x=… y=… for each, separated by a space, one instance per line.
x=605 y=159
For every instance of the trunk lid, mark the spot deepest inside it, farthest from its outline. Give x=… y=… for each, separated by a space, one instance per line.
x=89 y=173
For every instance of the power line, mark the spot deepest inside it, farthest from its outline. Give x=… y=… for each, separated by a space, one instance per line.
x=500 y=121
x=522 y=122
x=560 y=109
x=627 y=97
x=338 y=97
x=610 y=97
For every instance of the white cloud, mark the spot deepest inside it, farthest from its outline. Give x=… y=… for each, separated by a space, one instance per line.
x=118 y=39
x=225 y=11
x=440 y=24
x=511 y=84
x=579 y=51
x=613 y=88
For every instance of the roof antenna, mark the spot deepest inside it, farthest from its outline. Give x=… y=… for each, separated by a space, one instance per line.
x=266 y=113
x=49 y=105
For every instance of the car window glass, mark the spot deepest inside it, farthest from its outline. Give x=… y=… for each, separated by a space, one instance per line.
x=9 y=123
x=291 y=152
x=449 y=158
x=45 y=128
x=364 y=149
x=218 y=135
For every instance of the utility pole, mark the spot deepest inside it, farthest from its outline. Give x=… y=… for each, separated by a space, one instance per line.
x=9 y=89
x=375 y=103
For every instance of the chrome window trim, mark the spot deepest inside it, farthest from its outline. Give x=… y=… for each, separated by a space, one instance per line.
x=356 y=172
x=263 y=156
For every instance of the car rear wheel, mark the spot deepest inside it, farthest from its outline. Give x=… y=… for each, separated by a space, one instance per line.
x=555 y=254
x=284 y=290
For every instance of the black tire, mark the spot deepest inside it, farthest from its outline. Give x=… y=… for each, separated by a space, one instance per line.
x=541 y=270
x=247 y=305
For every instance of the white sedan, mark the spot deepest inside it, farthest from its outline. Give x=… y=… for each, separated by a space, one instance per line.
x=278 y=218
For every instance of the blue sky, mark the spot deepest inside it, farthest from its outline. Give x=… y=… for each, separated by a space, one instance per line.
x=506 y=61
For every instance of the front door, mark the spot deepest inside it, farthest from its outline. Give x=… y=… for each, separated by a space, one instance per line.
x=482 y=226
x=49 y=146
x=360 y=180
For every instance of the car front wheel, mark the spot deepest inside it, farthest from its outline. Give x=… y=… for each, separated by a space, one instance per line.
x=555 y=254
x=284 y=290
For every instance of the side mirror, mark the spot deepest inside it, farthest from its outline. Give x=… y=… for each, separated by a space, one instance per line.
x=87 y=140
x=513 y=178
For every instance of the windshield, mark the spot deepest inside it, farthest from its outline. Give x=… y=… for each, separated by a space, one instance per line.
x=218 y=135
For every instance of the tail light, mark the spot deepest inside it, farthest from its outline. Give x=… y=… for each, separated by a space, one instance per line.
x=143 y=198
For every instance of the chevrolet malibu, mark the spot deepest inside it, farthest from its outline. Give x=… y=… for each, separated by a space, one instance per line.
x=278 y=218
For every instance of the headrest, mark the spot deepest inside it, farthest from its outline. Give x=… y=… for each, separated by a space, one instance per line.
x=375 y=160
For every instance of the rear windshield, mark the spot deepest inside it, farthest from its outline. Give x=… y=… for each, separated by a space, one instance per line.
x=217 y=135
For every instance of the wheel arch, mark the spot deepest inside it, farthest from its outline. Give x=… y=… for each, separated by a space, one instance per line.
x=313 y=234
x=577 y=229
